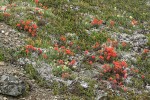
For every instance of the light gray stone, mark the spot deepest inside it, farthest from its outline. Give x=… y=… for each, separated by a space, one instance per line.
x=11 y=85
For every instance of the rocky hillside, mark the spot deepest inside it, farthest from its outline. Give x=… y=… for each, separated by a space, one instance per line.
x=74 y=50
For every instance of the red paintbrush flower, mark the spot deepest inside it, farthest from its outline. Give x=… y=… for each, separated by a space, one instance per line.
x=94 y=22
x=36 y=1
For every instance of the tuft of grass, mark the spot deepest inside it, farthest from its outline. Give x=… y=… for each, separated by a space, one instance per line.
x=33 y=74
x=1 y=17
x=1 y=55
x=148 y=43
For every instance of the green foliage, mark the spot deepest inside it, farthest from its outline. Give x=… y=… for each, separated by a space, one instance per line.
x=138 y=11
x=48 y=14
x=58 y=88
x=6 y=55
x=1 y=55
x=90 y=40
x=1 y=17
x=86 y=93
x=147 y=78
x=57 y=71
x=120 y=47
x=33 y=74
x=148 y=44
x=55 y=88
x=53 y=3
x=137 y=83
x=130 y=95
x=143 y=63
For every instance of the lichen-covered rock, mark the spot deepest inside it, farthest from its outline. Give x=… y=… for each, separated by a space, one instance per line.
x=137 y=40
x=88 y=73
x=77 y=86
x=130 y=56
x=11 y=85
x=101 y=94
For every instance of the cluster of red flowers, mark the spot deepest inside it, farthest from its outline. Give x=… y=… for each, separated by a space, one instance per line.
x=107 y=54
x=30 y=48
x=68 y=52
x=36 y=1
x=6 y=15
x=63 y=38
x=112 y=23
x=92 y=59
x=63 y=49
x=145 y=51
x=62 y=63
x=124 y=44
x=61 y=46
x=117 y=71
x=96 y=22
x=96 y=45
x=112 y=43
x=71 y=63
x=65 y=75
x=134 y=22
x=28 y=26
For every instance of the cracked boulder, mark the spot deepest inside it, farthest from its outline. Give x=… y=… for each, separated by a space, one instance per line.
x=11 y=85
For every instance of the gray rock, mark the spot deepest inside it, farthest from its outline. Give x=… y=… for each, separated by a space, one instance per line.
x=128 y=80
x=2 y=63
x=11 y=85
x=84 y=84
x=148 y=3
x=6 y=33
x=2 y=31
x=128 y=56
x=76 y=85
x=148 y=87
x=60 y=81
x=137 y=40
x=89 y=73
x=101 y=94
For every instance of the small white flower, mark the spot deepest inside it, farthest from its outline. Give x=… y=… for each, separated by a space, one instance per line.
x=51 y=47
x=58 y=66
x=74 y=66
x=84 y=84
x=3 y=31
x=86 y=23
x=115 y=8
x=130 y=17
x=118 y=15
